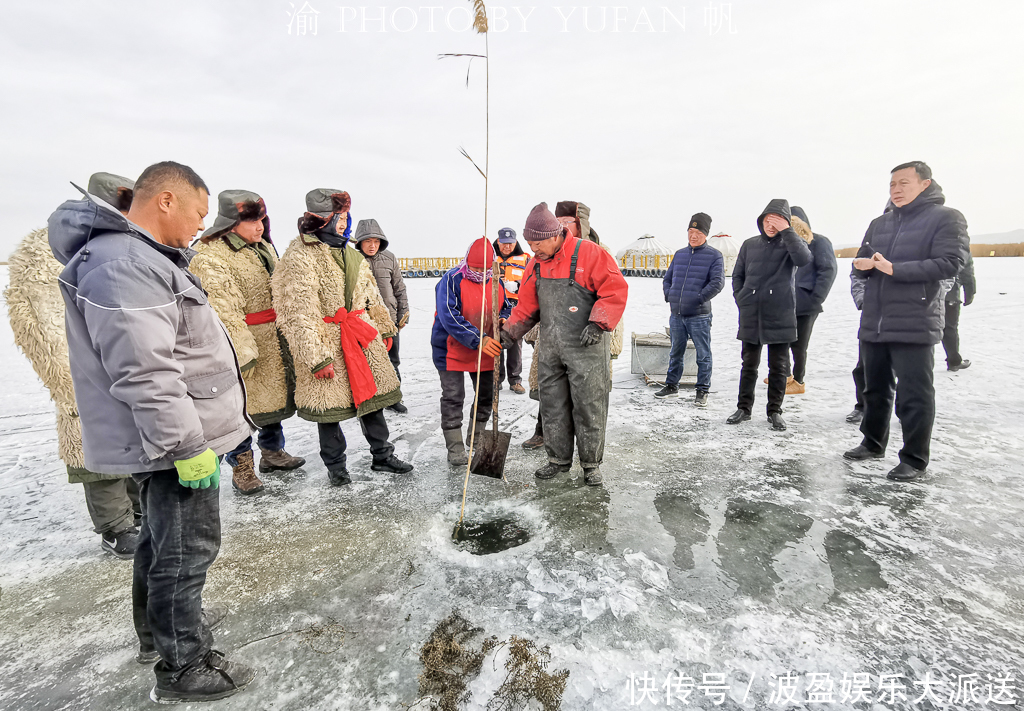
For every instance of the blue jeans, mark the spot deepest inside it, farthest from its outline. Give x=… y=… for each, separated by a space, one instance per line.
x=270 y=437
x=697 y=328
x=178 y=541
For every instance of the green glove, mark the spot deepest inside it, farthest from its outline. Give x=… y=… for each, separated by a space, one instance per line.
x=199 y=472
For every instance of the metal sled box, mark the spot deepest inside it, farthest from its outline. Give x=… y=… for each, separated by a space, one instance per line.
x=649 y=358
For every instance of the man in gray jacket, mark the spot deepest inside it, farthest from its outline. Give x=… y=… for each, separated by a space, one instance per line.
x=370 y=240
x=156 y=377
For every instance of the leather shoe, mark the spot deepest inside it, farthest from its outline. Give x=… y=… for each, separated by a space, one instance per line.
x=338 y=476
x=855 y=416
x=592 y=477
x=398 y=407
x=861 y=452
x=904 y=472
x=778 y=423
x=737 y=417
x=551 y=470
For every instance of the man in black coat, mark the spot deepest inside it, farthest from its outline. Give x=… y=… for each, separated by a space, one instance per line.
x=964 y=281
x=763 y=286
x=813 y=282
x=905 y=255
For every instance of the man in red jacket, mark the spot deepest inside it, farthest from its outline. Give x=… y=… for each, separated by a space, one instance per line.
x=577 y=293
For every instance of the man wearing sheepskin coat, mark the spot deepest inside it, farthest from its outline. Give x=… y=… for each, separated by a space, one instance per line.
x=339 y=330
x=36 y=309
x=235 y=261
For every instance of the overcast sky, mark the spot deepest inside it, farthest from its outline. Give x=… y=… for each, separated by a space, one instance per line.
x=645 y=120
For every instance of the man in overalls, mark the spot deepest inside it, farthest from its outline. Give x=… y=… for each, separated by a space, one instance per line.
x=577 y=293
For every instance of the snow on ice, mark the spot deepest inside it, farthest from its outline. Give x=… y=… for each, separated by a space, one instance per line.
x=743 y=566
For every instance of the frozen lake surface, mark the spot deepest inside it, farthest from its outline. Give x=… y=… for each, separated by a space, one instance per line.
x=733 y=555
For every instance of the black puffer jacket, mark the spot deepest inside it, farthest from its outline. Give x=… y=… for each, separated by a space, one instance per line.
x=926 y=243
x=763 y=281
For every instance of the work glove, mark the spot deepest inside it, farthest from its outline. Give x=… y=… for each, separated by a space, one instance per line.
x=325 y=373
x=592 y=335
x=492 y=348
x=199 y=472
x=388 y=342
x=506 y=340
x=968 y=298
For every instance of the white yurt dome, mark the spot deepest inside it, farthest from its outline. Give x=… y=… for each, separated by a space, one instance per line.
x=729 y=246
x=646 y=256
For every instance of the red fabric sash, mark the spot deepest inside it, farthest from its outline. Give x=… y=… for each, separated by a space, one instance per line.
x=261 y=317
x=356 y=335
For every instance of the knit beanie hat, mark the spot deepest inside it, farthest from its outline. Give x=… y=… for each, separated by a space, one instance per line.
x=701 y=221
x=541 y=224
x=480 y=255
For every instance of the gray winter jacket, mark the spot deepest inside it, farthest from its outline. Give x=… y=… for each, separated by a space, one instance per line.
x=386 y=271
x=155 y=374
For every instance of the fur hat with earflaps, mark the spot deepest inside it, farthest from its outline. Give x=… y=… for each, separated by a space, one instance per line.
x=113 y=190
x=581 y=214
x=322 y=204
x=234 y=206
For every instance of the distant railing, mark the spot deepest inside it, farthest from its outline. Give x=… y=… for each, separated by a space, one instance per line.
x=645 y=265
x=426 y=266
x=642 y=265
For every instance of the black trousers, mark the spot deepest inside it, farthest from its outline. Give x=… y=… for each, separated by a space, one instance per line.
x=778 y=373
x=333 y=444
x=906 y=370
x=393 y=356
x=804 y=326
x=951 y=336
x=453 y=397
x=858 y=380
x=178 y=541
x=512 y=363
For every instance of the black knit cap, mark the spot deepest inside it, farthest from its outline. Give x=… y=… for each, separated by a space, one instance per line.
x=702 y=222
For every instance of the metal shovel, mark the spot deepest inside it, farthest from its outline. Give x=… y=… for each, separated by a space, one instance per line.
x=489 y=455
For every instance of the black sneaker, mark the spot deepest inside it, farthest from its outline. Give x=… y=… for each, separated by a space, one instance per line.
x=211 y=679
x=392 y=464
x=121 y=544
x=213 y=615
x=667 y=391
x=856 y=416
x=398 y=407
x=962 y=365
x=701 y=399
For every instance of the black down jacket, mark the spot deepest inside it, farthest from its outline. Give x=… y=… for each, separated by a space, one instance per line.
x=763 y=281
x=926 y=243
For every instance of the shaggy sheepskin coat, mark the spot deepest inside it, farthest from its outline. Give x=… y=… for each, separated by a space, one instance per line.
x=311 y=282
x=36 y=309
x=237 y=283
